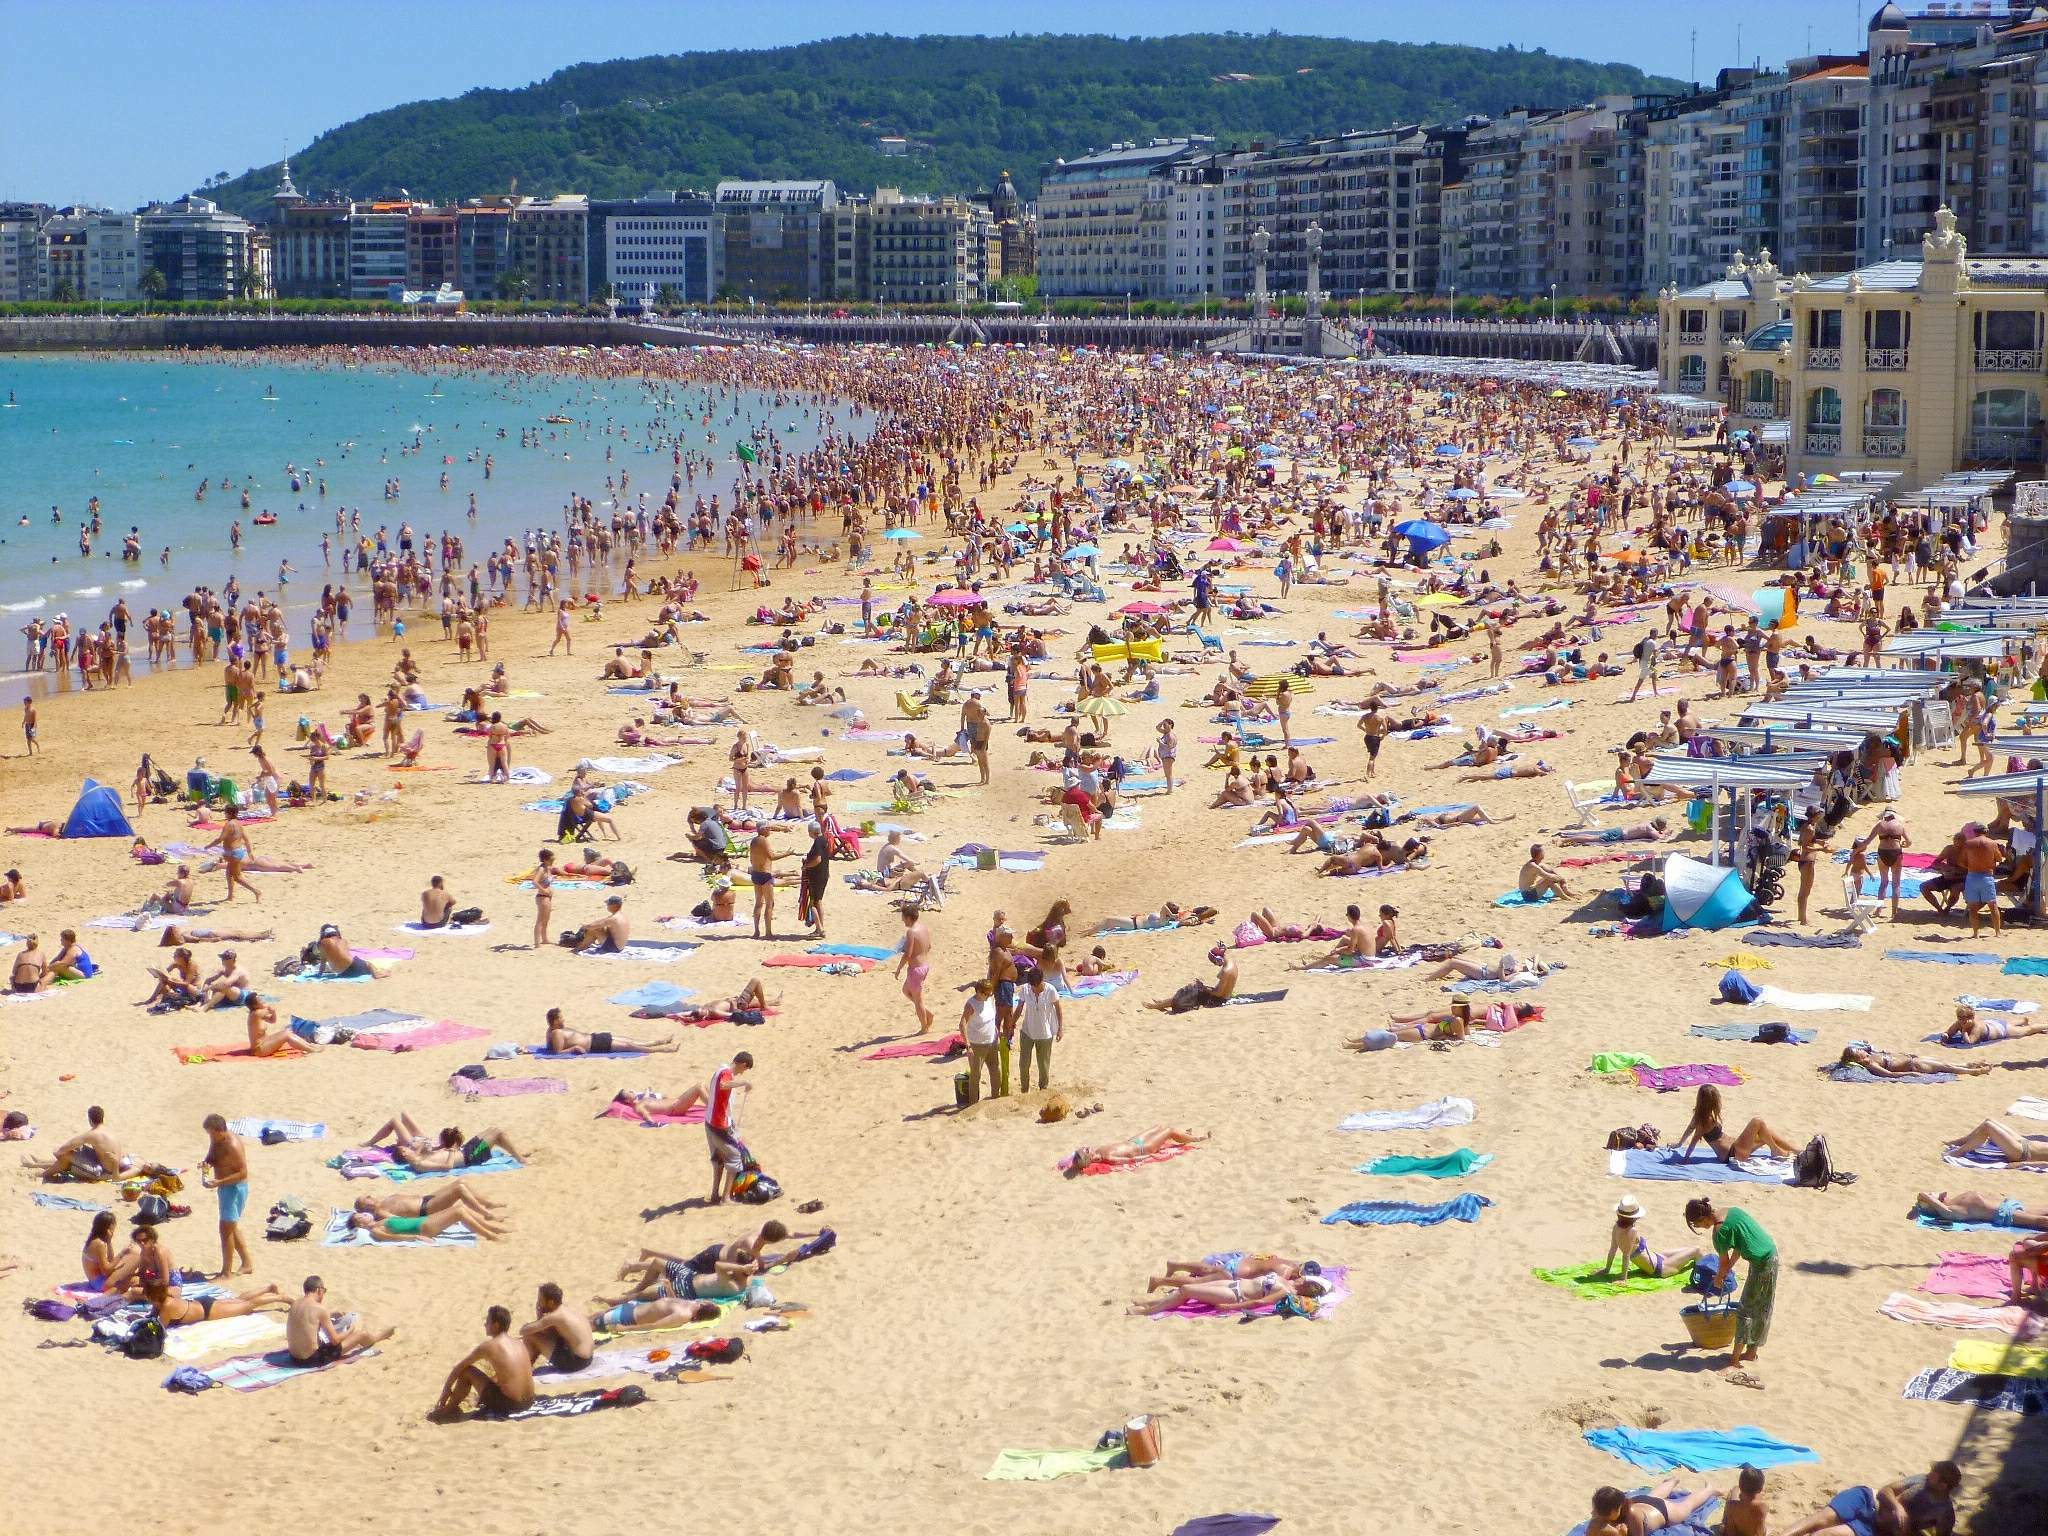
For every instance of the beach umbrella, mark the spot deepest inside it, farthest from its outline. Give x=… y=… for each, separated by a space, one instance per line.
x=1826 y=480
x=1558 y=394
x=1739 y=487
x=1268 y=451
x=902 y=533
x=1448 y=450
x=953 y=597
x=1233 y=453
x=1143 y=608
x=1462 y=493
x=1123 y=464
x=1018 y=528
x=1080 y=552
x=1582 y=442
x=1228 y=546
x=1100 y=709
x=1423 y=534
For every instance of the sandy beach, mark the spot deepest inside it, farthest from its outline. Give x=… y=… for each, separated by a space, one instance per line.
x=976 y=1298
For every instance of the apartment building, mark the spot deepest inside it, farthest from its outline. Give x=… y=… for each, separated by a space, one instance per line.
x=89 y=255
x=847 y=249
x=922 y=249
x=201 y=250
x=1104 y=220
x=20 y=225
x=432 y=258
x=773 y=237
x=550 y=247
x=1678 y=156
x=663 y=241
x=483 y=245
x=377 y=250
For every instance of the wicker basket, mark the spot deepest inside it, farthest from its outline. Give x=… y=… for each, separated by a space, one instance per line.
x=1711 y=1327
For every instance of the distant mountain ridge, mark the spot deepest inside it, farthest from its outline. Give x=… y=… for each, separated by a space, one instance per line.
x=968 y=107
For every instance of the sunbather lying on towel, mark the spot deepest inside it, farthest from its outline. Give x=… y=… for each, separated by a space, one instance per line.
x=1621 y=1514
x=174 y=1311
x=1652 y=831
x=1136 y=1150
x=1968 y=1029
x=2002 y=1139
x=449 y=1150
x=420 y=1229
x=1912 y=1506
x=1464 y=816
x=1249 y=1266
x=1171 y=914
x=1509 y=770
x=1233 y=1295
x=1903 y=1063
x=749 y=1005
x=563 y=1041
x=656 y=1274
x=644 y=1316
x=1966 y=1205
x=1498 y=965
x=457 y=1195
x=1375 y=854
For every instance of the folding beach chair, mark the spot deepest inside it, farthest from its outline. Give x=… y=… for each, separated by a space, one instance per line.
x=1209 y=641
x=1862 y=909
x=912 y=710
x=1588 y=798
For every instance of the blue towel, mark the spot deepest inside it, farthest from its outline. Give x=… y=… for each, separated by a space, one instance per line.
x=1995 y=1004
x=1909 y=885
x=1746 y=1032
x=1396 y=1213
x=1849 y=1074
x=1520 y=899
x=500 y=1161
x=1437 y=810
x=1944 y=956
x=542 y=1053
x=1701 y=1523
x=65 y=1202
x=2011 y=1394
x=291 y=1130
x=1658 y=1164
x=2027 y=965
x=1935 y=1222
x=1697 y=1450
x=653 y=994
x=850 y=775
x=863 y=951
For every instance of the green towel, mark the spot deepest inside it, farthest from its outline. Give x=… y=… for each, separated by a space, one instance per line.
x=1574 y=1279
x=1044 y=1466
x=1620 y=1061
x=1451 y=1165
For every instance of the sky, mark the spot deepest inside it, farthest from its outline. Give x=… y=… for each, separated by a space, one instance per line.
x=114 y=102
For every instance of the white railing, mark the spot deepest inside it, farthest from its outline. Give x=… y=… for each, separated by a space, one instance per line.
x=1884 y=442
x=1824 y=357
x=1692 y=338
x=1827 y=443
x=2009 y=360
x=1884 y=359
x=1759 y=410
x=2006 y=443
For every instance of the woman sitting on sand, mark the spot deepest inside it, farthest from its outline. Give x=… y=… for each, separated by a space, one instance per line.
x=1633 y=1250
x=1858 y=1053
x=177 y=985
x=1969 y=1029
x=1705 y=1126
x=2002 y=1139
x=448 y=1151
x=106 y=1270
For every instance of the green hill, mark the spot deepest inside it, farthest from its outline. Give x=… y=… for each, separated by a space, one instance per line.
x=970 y=106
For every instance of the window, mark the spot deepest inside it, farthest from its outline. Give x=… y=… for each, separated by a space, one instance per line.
x=1692 y=371
x=2005 y=410
x=1824 y=328
x=1887 y=408
x=2006 y=330
x=1886 y=328
x=1761 y=387
x=1824 y=409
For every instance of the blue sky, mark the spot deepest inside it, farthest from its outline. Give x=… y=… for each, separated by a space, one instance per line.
x=115 y=102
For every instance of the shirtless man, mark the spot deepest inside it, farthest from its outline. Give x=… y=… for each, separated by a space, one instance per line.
x=177 y=897
x=228 y=985
x=974 y=722
x=1652 y=831
x=435 y=904
x=233 y=844
x=88 y=1157
x=656 y=1274
x=1912 y=1506
x=761 y=857
x=311 y=1335
x=338 y=959
x=499 y=1371
x=915 y=964
x=609 y=934
x=1979 y=856
x=1198 y=994
x=564 y=1041
x=225 y=1171
x=1353 y=945
x=178 y=984
x=1537 y=881
x=457 y=1195
x=564 y=1337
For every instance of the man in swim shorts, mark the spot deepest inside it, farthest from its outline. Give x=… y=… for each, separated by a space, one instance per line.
x=499 y=1372
x=225 y=1171
x=564 y=1337
x=314 y=1336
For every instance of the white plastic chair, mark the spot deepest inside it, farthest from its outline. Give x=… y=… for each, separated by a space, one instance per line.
x=1862 y=909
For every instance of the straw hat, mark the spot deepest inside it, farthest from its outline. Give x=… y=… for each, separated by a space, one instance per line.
x=1628 y=1208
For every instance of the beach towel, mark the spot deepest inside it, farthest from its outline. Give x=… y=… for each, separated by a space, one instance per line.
x=1998 y=1004
x=2007 y=1394
x=930 y=1045
x=1662 y=1165
x=2029 y=1108
x=1436 y=1114
x=1520 y=899
x=1697 y=1450
x=340 y=1234
x=1842 y=1073
x=1354 y=963
x=315 y=974
x=2027 y=965
x=1044 y=1466
x=1984 y=1357
x=1748 y=1032
x=1108 y=982
x=1334 y=1274
x=199 y=1055
x=445 y=931
x=573 y=1405
x=1618 y=1061
x=653 y=994
x=817 y=962
x=654 y=764
x=1968 y=1274
x=64 y=1202
x=373 y=1021
x=504 y=1087
x=1096 y=1169
x=606 y=1363
x=857 y=951
x=1394 y=1213
x=1811 y=1002
x=500 y=1161
x=195 y=1341
x=1526 y=981
x=1943 y=956
x=1785 y=938
x=1691 y=1075
x=1249 y=999
x=1446 y=1165
x=1702 y=1522
x=644 y=952
x=1537 y=709
x=1906 y=1307
x=290 y=1130
x=252 y=1373
x=694 y=1115
x=701 y=925
x=542 y=1053
x=1585 y=1280
x=1988 y=1158
x=419 y=1037
x=1909 y=885
x=1227 y=1525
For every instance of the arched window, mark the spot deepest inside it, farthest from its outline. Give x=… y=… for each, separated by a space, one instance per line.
x=2005 y=410
x=1886 y=408
x=1824 y=408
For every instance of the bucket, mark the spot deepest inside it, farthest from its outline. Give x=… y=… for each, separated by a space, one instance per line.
x=1711 y=1327
x=960 y=1089
x=985 y=859
x=1142 y=1441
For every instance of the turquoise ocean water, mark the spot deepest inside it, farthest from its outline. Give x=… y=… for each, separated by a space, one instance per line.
x=141 y=433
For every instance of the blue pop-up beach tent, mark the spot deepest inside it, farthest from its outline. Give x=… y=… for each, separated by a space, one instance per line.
x=1699 y=895
x=98 y=813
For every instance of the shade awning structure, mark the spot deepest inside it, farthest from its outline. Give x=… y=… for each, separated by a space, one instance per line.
x=1754 y=771
x=1993 y=646
x=2029 y=791
x=1778 y=741
x=1859 y=717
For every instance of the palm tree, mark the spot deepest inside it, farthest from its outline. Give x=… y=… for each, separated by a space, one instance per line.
x=513 y=285
x=153 y=284
x=64 y=293
x=666 y=298
x=248 y=283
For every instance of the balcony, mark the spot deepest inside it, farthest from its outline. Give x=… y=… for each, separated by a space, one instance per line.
x=1825 y=359
x=1884 y=359
x=2008 y=444
x=1759 y=410
x=1884 y=442
x=2009 y=360
x=1692 y=338
x=1824 y=442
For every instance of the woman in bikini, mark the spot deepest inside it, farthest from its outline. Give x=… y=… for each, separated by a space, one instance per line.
x=1226 y=1267
x=106 y=1270
x=1232 y=1295
x=1136 y=1149
x=1638 y=1514
x=1633 y=1250
x=1858 y=1053
x=1454 y=1025
x=1503 y=966
x=174 y=1311
x=1705 y=1126
x=447 y=1151
x=1969 y=1029
x=2015 y=1148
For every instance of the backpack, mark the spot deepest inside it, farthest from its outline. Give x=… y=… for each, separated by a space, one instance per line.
x=466 y=917
x=153 y=1210
x=49 y=1310
x=146 y=1342
x=717 y=1351
x=1630 y=1138
x=1813 y=1168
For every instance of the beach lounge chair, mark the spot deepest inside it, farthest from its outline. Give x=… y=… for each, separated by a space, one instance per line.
x=912 y=710
x=1862 y=909
x=1209 y=641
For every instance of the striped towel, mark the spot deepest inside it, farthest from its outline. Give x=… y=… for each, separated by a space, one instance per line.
x=1394 y=1213
x=252 y=1373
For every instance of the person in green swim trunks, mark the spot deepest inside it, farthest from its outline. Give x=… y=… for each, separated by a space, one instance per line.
x=421 y=1229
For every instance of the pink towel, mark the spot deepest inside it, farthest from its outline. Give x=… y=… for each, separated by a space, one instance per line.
x=694 y=1115
x=443 y=1032
x=1969 y=1274
x=1426 y=656
x=505 y=1087
x=1671 y=1079
x=819 y=962
x=929 y=1046
x=1095 y=1169
x=381 y=954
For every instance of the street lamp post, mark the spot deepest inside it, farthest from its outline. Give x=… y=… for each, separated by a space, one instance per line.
x=1553 y=303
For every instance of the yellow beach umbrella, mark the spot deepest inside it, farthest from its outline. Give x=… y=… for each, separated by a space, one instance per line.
x=1100 y=709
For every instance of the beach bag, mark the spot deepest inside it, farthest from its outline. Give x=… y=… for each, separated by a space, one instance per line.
x=717 y=1351
x=152 y=1210
x=1777 y=1032
x=465 y=917
x=1630 y=1138
x=1813 y=1168
x=189 y=1378
x=47 y=1309
x=1738 y=988
x=145 y=1341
